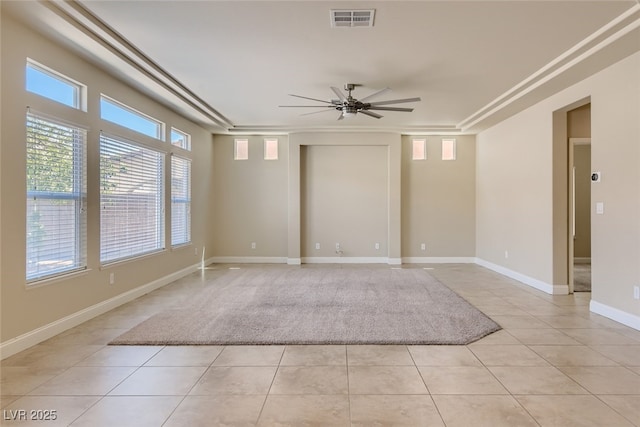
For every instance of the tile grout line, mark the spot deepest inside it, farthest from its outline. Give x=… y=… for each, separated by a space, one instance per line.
x=346 y=359
x=184 y=397
x=275 y=374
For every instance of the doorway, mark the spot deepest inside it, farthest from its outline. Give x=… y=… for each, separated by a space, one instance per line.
x=579 y=203
x=580 y=239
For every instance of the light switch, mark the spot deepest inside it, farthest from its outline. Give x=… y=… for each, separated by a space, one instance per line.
x=599 y=208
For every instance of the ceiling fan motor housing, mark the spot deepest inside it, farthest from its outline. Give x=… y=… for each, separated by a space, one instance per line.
x=349 y=110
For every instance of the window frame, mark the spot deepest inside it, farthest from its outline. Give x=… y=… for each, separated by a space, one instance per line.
x=186 y=138
x=451 y=141
x=78 y=194
x=421 y=141
x=237 y=152
x=160 y=125
x=80 y=89
x=268 y=141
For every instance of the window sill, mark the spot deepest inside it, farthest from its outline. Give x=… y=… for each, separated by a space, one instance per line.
x=131 y=259
x=181 y=246
x=55 y=279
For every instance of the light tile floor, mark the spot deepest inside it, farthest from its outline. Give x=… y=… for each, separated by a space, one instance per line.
x=553 y=364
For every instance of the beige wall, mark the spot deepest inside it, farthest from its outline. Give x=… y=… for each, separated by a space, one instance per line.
x=344 y=199
x=615 y=151
x=369 y=145
x=438 y=200
x=356 y=189
x=25 y=308
x=513 y=195
x=515 y=174
x=250 y=200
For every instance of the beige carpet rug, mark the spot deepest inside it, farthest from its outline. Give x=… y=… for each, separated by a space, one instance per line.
x=347 y=305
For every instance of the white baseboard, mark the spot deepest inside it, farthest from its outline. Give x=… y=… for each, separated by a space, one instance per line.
x=249 y=260
x=619 y=316
x=294 y=261
x=36 y=336
x=582 y=260
x=438 y=260
x=534 y=283
x=346 y=260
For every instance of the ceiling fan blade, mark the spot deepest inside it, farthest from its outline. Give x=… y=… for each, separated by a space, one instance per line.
x=306 y=106
x=395 y=101
x=370 y=114
x=312 y=99
x=339 y=93
x=315 y=112
x=380 y=92
x=375 y=107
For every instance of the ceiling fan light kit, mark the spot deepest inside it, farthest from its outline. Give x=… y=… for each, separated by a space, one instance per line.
x=350 y=106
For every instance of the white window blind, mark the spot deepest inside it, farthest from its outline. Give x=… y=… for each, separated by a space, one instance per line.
x=180 y=201
x=131 y=199
x=56 y=190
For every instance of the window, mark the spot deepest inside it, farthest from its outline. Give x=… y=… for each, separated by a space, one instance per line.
x=180 y=139
x=419 y=149
x=180 y=201
x=131 y=199
x=448 y=149
x=56 y=191
x=50 y=84
x=122 y=115
x=271 y=149
x=241 y=149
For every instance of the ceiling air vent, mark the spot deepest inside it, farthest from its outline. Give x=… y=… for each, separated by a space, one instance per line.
x=352 y=18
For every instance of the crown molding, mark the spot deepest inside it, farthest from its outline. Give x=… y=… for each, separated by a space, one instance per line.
x=82 y=19
x=529 y=91
x=405 y=130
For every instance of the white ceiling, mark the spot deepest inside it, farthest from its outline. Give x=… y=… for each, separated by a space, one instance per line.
x=239 y=60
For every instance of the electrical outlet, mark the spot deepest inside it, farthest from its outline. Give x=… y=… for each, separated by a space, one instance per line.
x=253 y=245
x=377 y=245
x=636 y=292
x=423 y=246
x=196 y=251
x=337 y=246
x=112 y=278
x=506 y=254
x=317 y=245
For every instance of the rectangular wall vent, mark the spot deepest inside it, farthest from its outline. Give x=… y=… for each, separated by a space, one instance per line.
x=352 y=18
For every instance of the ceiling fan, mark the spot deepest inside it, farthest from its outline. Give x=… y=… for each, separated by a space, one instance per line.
x=350 y=106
